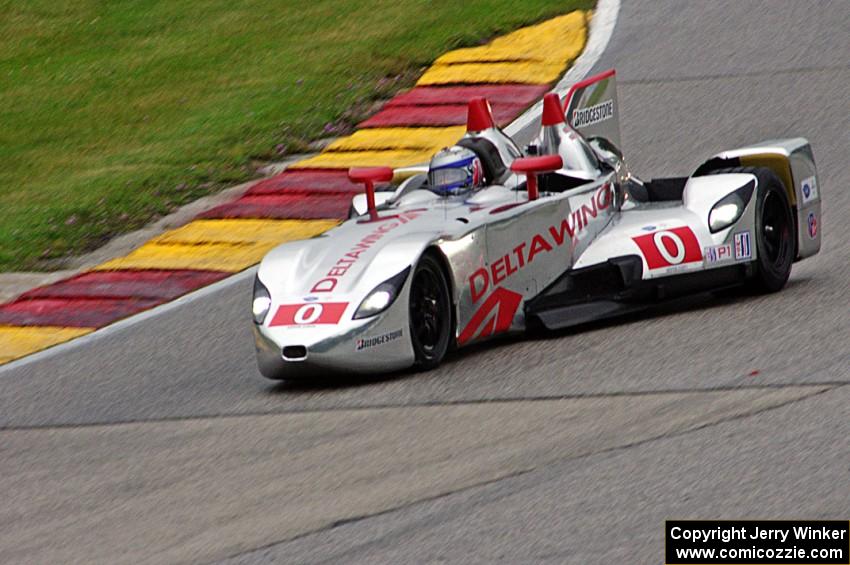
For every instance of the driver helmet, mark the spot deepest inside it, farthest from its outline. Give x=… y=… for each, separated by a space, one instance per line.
x=455 y=170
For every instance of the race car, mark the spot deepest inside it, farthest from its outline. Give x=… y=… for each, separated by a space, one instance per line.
x=555 y=234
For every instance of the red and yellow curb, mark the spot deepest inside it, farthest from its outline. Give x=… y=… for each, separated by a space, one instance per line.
x=230 y=245
x=310 y=197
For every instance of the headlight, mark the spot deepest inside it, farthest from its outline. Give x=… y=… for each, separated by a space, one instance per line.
x=382 y=296
x=262 y=302
x=728 y=210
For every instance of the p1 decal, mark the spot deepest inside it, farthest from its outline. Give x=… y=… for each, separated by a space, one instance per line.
x=495 y=315
x=717 y=253
x=669 y=247
x=813 y=225
x=309 y=314
x=743 y=250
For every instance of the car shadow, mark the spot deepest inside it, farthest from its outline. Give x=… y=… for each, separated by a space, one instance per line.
x=339 y=382
x=691 y=303
x=704 y=301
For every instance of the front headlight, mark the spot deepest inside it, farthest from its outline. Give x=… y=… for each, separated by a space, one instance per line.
x=382 y=296
x=728 y=209
x=262 y=301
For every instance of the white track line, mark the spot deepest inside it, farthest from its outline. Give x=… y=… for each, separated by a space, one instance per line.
x=601 y=29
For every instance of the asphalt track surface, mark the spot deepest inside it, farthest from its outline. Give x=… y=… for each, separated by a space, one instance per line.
x=160 y=443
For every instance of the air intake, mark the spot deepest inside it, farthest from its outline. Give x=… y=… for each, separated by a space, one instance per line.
x=294 y=353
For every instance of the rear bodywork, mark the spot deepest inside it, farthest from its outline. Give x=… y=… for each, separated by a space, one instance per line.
x=586 y=248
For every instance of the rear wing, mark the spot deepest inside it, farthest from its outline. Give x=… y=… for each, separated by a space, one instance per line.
x=592 y=107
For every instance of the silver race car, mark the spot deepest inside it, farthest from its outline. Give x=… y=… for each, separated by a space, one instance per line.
x=490 y=239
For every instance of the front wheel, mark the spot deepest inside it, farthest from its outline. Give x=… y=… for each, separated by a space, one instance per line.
x=430 y=313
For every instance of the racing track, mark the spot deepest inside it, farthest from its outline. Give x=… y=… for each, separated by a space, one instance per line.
x=160 y=442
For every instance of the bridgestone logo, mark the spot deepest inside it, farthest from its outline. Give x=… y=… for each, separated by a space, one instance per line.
x=367 y=342
x=593 y=115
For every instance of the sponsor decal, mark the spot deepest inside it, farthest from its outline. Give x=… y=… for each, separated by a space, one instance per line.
x=743 y=250
x=813 y=225
x=345 y=262
x=369 y=342
x=495 y=315
x=308 y=314
x=717 y=253
x=497 y=312
x=541 y=243
x=593 y=114
x=649 y=228
x=809 y=188
x=669 y=247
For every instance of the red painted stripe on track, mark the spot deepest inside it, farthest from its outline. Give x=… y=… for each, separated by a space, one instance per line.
x=72 y=312
x=306 y=180
x=441 y=115
x=496 y=93
x=164 y=285
x=283 y=206
x=447 y=105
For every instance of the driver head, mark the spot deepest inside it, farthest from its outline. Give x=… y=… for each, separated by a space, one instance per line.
x=455 y=170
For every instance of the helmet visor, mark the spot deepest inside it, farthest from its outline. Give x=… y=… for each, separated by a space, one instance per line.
x=449 y=178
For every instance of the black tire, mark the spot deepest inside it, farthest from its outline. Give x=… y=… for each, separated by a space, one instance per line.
x=775 y=233
x=429 y=313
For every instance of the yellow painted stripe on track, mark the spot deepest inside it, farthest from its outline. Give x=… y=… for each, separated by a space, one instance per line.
x=559 y=38
x=478 y=73
x=345 y=159
x=19 y=341
x=484 y=54
x=220 y=245
x=412 y=139
x=533 y=55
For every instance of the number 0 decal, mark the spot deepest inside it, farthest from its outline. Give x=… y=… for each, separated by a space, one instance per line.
x=309 y=314
x=668 y=248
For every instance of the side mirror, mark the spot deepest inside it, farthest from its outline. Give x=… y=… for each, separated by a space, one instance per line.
x=369 y=176
x=607 y=152
x=533 y=166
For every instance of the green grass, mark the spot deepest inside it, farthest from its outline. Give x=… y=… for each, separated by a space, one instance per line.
x=112 y=113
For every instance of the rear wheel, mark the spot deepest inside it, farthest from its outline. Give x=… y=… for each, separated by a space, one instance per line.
x=430 y=313
x=775 y=231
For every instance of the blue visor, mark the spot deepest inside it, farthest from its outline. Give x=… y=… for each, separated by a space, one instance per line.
x=451 y=177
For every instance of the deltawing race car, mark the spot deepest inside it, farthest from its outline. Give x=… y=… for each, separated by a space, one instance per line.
x=560 y=234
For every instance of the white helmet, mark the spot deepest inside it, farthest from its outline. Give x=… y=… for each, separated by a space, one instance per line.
x=455 y=170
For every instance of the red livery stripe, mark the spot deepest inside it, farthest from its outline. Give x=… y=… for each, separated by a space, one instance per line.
x=309 y=313
x=668 y=248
